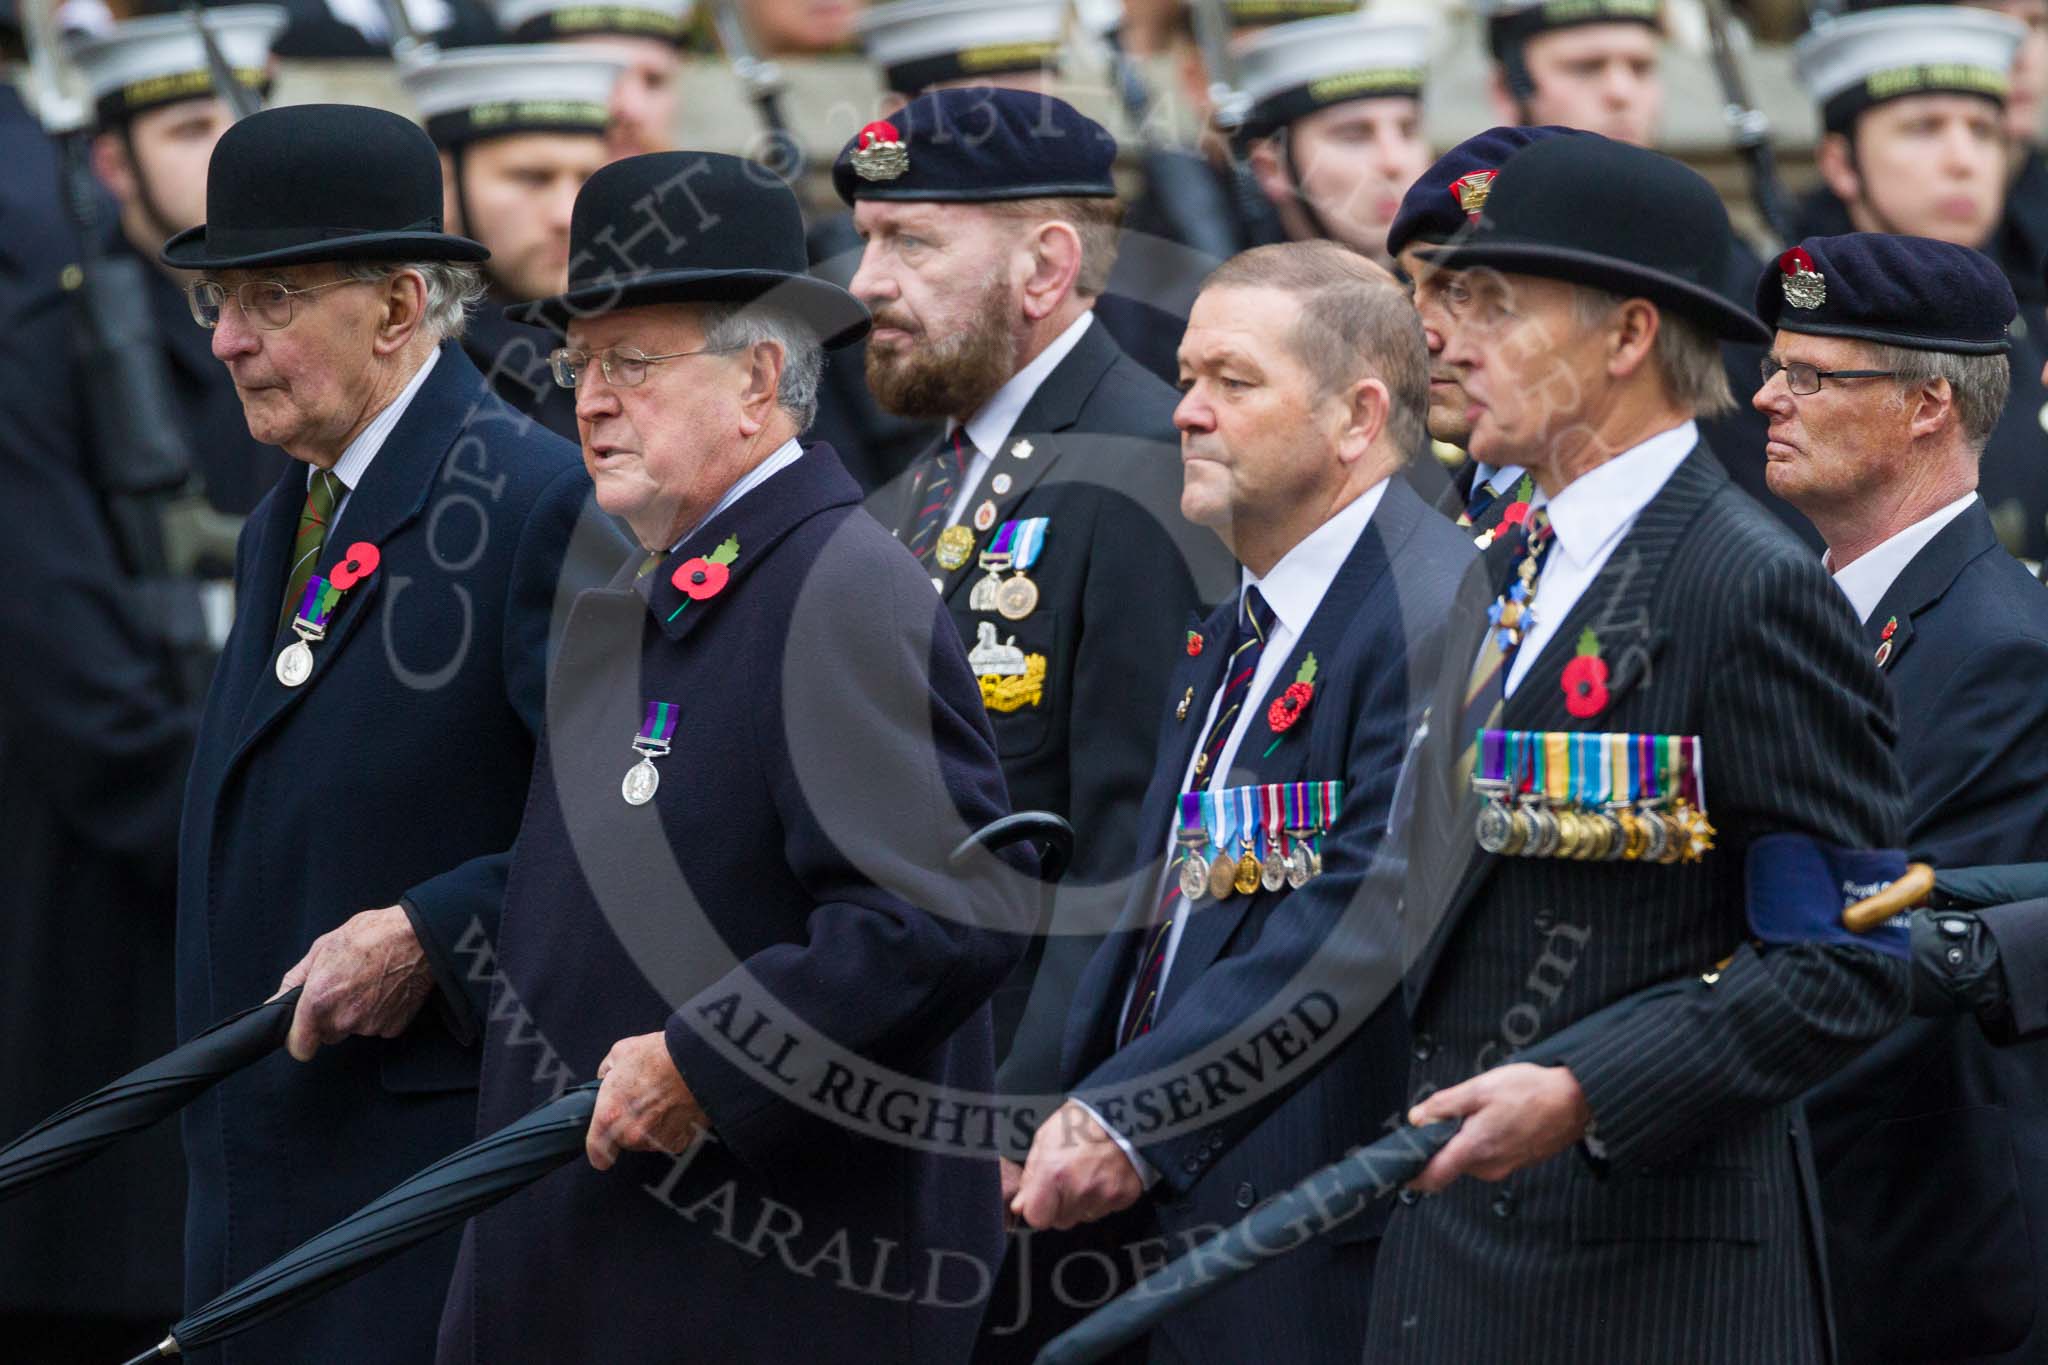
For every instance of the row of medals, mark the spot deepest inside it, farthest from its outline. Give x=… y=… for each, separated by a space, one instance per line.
x=1619 y=833
x=1246 y=873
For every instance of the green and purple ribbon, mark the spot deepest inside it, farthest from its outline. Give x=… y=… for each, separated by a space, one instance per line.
x=660 y=726
x=319 y=602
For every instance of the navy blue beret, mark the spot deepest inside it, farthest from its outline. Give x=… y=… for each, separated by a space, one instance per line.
x=1451 y=193
x=979 y=143
x=1898 y=291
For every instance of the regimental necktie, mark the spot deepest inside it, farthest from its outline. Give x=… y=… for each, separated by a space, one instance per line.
x=1483 y=496
x=1510 y=621
x=936 y=485
x=1255 y=622
x=648 y=565
x=323 y=495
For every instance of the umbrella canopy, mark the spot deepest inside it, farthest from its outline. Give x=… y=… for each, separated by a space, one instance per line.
x=441 y=1196
x=1975 y=888
x=146 y=1095
x=1333 y=1195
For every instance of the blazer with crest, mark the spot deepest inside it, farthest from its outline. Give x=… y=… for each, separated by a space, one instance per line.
x=1096 y=452
x=784 y=909
x=1279 y=1042
x=1691 y=1238
x=396 y=771
x=1932 y=1147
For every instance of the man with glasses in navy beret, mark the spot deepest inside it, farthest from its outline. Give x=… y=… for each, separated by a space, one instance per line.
x=364 y=750
x=1888 y=376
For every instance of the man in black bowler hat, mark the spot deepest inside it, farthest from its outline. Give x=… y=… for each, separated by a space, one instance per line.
x=1656 y=1160
x=1889 y=373
x=752 y=933
x=367 y=739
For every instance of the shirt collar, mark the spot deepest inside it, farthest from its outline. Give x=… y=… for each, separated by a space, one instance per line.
x=1866 y=581
x=991 y=426
x=1602 y=503
x=783 y=457
x=355 y=461
x=1294 y=587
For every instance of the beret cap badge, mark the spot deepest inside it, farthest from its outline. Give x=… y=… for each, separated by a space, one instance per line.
x=1804 y=286
x=879 y=152
x=1471 y=191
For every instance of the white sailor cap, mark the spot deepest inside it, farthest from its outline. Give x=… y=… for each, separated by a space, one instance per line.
x=540 y=21
x=139 y=64
x=1246 y=16
x=1510 y=23
x=1859 y=60
x=479 y=92
x=920 y=43
x=1291 y=70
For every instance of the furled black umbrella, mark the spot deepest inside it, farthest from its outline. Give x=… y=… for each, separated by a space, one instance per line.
x=81 y=1130
x=441 y=1196
x=1055 y=834
x=1335 y=1194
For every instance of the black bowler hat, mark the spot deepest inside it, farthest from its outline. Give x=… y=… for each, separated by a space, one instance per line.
x=1897 y=291
x=692 y=227
x=1450 y=196
x=1591 y=211
x=320 y=182
x=977 y=144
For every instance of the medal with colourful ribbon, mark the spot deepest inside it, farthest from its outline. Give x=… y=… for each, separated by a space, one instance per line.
x=1273 y=867
x=651 y=743
x=1193 y=838
x=1017 y=598
x=995 y=559
x=316 y=608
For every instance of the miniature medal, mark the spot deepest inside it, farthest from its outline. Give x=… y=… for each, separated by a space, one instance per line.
x=1018 y=597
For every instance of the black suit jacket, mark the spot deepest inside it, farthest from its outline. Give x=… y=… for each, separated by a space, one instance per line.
x=1932 y=1147
x=1095 y=451
x=784 y=910
x=1714 y=622
x=1226 y=1097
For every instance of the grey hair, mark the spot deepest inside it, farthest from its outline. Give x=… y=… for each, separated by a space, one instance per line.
x=452 y=289
x=740 y=326
x=1977 y=384
x=1356 y=322
x=1688 y=359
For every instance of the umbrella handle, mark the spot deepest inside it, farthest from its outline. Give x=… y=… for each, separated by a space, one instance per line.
x=1907 y=892
x=163 y=1350
x=1054 y=833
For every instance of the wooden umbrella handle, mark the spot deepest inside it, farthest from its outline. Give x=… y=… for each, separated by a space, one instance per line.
x=1907 y=892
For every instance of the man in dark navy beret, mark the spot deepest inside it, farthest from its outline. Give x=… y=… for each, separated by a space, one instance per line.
x=1443 y=202
x=730 y=899
x=1047 y=516
x=1887 y=378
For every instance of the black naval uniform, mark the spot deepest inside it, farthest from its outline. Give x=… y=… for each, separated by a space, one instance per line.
x=513 y=356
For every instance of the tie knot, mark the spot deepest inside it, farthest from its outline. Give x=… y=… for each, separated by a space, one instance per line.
x=1255 y=615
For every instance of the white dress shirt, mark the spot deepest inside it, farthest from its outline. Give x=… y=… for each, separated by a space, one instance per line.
x=355 y=461
x=990 y=427
x=1590 y=517
x=1293 y=589
x=1866 y=581
x=785 y=455
x=1503 y=480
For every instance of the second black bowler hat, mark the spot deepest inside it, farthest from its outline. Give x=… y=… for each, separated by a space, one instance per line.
x=692 y=227
x=1592 y=211
x=320 y=182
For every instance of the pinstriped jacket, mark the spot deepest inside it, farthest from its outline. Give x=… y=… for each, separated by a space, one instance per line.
x=1692 y=1238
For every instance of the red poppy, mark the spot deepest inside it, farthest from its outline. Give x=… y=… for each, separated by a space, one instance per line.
x=700 y=578
x=1194 y=644
x=359 y=563
x=1288 y=706
x=1891 y=628
x=1585 y=686
x=1517 y=513
x=878 y=131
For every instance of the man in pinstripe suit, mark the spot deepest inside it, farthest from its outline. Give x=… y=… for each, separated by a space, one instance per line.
x=1642 y=1198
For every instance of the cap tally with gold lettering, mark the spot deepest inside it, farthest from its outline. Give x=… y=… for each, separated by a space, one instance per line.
x=1510 y=23
x=921 y=43
x=474 y=93
x=1862 y=60
x=1291 y=70
x=143 y=64
x=542 y=21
